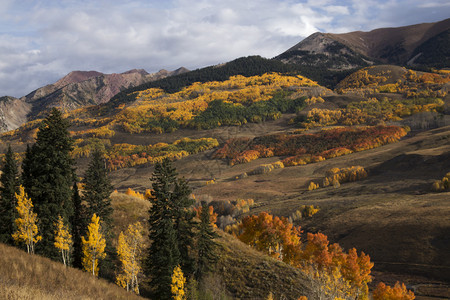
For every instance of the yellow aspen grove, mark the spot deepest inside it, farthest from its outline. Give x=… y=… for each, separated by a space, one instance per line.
x=27 y=230
x=93 y=246
x=129 y=251
x=178 y=282
x=63 y=240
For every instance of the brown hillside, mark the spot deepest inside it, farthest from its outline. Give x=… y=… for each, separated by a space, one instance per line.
x=400 y=41
x=24 y=276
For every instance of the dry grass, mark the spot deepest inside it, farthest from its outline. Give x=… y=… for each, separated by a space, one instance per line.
x=249 y=274
x=128 y=210
x=24 y=276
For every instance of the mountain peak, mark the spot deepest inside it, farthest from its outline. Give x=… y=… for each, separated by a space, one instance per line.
x=395 y=45
x=139 y=71
x=76 y=77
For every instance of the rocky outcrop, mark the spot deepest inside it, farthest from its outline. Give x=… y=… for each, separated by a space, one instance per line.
x=13 y=113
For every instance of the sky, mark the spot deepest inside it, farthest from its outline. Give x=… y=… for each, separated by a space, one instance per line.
x=42 y=41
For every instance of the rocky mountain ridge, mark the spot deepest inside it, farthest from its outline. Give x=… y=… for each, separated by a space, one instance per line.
x=76 y=89
x=399 y=45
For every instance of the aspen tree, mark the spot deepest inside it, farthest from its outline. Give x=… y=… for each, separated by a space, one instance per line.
x=129 y=251
x=63 y=240
x=27 y=230
x=178 y=282
x=93 y=246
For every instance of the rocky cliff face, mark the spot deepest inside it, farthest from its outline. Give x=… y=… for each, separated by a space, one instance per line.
x=13 y=113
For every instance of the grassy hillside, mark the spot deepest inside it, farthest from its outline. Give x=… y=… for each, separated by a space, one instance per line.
x=24 y=276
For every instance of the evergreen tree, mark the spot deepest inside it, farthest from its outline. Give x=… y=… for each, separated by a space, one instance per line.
x=26 y=169
x=78 y=221
x=206 y=247
x=9 y=187
x=170 y=228
x=48 y=175
x=97 y=189
x=184 y=222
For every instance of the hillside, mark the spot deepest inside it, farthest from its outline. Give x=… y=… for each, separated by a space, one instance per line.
x=24 y=276
x=421 y=44
x=241 y=272
x=75 y=90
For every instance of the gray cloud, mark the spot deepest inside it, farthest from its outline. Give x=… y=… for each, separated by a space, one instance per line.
x=41 y=42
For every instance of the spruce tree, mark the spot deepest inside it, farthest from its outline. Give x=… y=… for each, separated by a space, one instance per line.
x=184 y=223
x=97 y=189
x=26 y=169
x=9 y=187
x=169 y=227
x=206 y=246
x=78 y=222
x=96 y=195
x=48 y=175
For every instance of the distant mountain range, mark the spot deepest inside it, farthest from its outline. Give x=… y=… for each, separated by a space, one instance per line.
x=324 y=57
x=76 y=89
x=425 y=44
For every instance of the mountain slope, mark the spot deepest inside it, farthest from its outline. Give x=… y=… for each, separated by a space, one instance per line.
x=24 y=276
x=76 y=89
x=13 y=113
x=358 y=49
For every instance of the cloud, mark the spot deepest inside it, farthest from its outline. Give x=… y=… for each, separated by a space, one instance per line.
x=47 y=39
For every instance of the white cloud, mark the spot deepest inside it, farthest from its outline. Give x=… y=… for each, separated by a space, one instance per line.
x=46 y=40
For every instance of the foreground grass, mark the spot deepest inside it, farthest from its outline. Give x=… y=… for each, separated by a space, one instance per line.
x=24 y=276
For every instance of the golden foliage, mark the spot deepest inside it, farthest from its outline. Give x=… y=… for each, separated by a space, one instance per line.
x=313 y=186
x=178 y=284
x=129 y=251
x=63 y=239
x=27 y=230
x=443 y=184
x=183 y=106
x=398 y=292
x=93 y=246
x=337 y=176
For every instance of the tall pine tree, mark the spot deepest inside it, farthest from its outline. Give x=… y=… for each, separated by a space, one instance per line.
x=169 y=226
x=184 y=223
x=97 y=189
x=48 y=174
x=9 y=187
x=78 y=222
x=96 y=195
x=206 y=246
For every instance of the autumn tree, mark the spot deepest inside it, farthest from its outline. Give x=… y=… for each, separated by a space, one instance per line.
x=206 y=246
x=398 y=292
x=273 y=235
x=48 y=175
x=27 y=230
x=9 y=180
x=178 y=283
x=93 y=246
x=63 y=240
x=129 y=251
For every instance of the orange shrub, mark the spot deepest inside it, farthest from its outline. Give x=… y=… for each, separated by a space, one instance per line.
x=398 y=292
